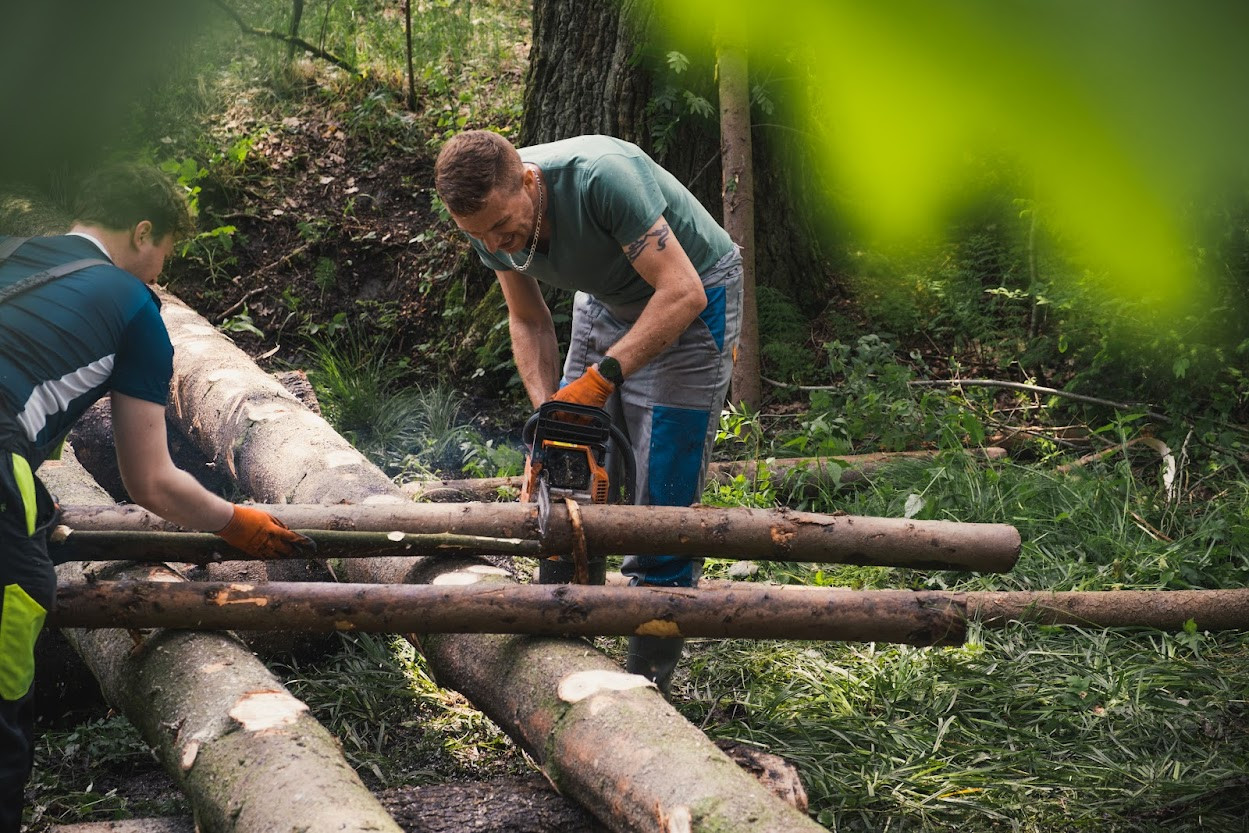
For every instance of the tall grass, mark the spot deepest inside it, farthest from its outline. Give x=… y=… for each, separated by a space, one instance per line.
x=1029 y=728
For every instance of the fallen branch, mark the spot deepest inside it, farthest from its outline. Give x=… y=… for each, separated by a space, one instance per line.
x=315 y=51
x=806 y=472
x=775 y=534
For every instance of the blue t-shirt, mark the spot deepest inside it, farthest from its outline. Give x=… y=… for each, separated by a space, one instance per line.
x=605 y=193
x=65 y=344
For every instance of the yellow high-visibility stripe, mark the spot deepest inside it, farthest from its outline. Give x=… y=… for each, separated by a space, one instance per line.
x=21 y=619
x=25 y=479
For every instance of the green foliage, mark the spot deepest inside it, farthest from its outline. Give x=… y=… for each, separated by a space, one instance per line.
x=871 y=406
x=409 y=429
x=75 y=776
x=784 y=333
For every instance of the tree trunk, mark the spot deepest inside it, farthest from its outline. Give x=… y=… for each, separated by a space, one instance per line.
x=205 y=704
x=773 y=534
x=480 y=605
x=805 y=475
x=582 y=76
x=738 y=199
x=667 y=772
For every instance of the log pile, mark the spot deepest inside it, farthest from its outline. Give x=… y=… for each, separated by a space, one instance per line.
x=565 y=703
x=205 y=704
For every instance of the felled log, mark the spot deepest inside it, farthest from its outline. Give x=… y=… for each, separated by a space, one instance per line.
x=902 y=616
x=774 y=534
x=740 y=610
x=558 y=697
x=245 y=751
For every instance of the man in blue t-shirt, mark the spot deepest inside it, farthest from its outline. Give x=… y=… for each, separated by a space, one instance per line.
x=77 y=321
x=655 y=319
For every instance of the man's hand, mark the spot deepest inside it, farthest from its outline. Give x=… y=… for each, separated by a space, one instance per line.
x=591 y=389
x=261 y=535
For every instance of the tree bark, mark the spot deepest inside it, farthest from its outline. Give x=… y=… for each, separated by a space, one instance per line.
x=738 y=199
x=207 y=705
x=481 y=605
x=806 y=475
x=772 y=534
x=667 y=771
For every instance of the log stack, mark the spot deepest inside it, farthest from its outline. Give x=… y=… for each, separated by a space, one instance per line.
x=602 y=736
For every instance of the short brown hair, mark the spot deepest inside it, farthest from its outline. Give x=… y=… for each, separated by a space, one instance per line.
x=471 y=165
x=122 y=195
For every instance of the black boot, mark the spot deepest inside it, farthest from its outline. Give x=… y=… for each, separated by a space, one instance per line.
x=655 y=658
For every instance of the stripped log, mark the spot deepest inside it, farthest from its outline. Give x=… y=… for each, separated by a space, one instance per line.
x=244 y=750
x=68 y=544
x=725 y=610
x=774 y=534
x=902 y=616
x=805 y=474
x=662 y=774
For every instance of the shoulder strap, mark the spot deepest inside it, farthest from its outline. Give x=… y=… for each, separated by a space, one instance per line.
x=40 y=278
x=9 y=246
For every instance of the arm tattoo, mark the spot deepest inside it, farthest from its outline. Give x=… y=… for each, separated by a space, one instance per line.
x=638 y=246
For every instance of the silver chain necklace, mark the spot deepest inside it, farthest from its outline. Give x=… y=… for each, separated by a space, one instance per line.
x=537 y=229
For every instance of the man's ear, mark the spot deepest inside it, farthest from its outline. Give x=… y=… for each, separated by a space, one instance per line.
x=141 y=233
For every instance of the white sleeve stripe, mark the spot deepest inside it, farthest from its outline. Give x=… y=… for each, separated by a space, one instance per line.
x=54 y=395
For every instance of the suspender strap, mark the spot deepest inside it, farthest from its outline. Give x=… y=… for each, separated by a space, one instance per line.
x=40 y=278
x=9 y=246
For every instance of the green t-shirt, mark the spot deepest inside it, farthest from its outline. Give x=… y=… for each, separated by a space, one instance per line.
x=605 y=193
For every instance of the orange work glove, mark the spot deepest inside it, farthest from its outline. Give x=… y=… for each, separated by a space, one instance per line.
x=591 y=389
x=261 y=535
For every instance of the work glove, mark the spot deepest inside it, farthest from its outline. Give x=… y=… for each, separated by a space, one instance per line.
x=261 y=535
x=591 y=389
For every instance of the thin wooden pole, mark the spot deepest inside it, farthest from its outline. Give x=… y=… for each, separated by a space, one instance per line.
x=779 y=535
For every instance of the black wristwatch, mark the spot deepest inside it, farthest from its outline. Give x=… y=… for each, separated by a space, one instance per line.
x=610 y=369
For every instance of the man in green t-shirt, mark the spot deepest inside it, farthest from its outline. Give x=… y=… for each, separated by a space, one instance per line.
x=655 y=319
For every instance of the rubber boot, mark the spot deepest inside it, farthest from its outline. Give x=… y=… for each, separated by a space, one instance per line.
x=655 y=658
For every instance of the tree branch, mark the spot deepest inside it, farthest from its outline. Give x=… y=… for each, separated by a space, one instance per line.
x=317 y=52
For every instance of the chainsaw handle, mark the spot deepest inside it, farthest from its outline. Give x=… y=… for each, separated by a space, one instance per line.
x=625 y=450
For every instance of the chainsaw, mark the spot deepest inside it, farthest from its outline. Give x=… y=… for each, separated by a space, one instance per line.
x=573 y=450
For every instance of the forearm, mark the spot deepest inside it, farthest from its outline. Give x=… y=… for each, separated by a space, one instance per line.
x=177 y=497
x=536 y=352
x=666 y=316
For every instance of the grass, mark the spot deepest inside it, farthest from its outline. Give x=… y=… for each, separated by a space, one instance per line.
x=397 y=727
x=1029 y=728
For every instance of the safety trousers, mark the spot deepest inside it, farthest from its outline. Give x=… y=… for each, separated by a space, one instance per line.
x=670 y=409
x=27 y=593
